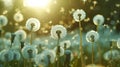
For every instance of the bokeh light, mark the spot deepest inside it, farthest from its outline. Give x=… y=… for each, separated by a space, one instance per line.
x=36 y=3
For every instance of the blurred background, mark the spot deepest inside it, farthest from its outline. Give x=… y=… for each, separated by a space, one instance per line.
x=52 y=12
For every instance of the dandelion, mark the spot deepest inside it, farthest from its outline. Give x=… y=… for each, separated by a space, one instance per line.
x=33 y=24
x=98 y=19
x=51 y=54
x=79 y=15
x=61 y=52
x=58 y=31
x=41 y=60
x=6 y=55
x=7 y=43
x=3 y=20
x=118 y=43
x=8 y=35
x=18 y=17
x=29 y=51
x=21 y=35
x=16 y=55
x=65 y=44
x=111 y=55
x=92 y=36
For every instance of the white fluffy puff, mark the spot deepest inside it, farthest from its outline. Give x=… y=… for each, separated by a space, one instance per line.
x=18 y=17
x=8 y=35
x=78 y=12
x=66 y=43
x=92 y=36
x=6 y=55
x=41 y=60
x=29 y=51
x=51 y=54
x=21 y=35
x=7 y=43
x=56 y=28
x=3 y=20
x=98 y=19
x=16 y=55
x=61 y=50
x=33 y=24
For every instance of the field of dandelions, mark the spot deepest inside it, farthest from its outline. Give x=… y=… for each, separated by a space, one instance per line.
x=61 y=48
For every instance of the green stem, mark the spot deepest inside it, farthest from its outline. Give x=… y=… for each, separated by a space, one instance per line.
x=111 y=56
x=99 y=49
x=18 y=64
x=30 y=62
x=31 y=38
x=92 y=53
x=24 y=62
x=81 y=48
x=58 y=53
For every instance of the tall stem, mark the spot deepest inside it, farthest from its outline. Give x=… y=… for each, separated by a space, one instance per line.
x=58 y=52
x=99 y=49
x=111 y=55
x=30 y=62
x=31 y=37
x=92 y=53
x=81 y=49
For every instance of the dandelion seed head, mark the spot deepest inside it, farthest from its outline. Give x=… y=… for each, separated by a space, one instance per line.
x=29 y=51
x=33 y=24
x=3 y=20
x=58 y=28
x=79 y=15
x=92 y=36
x=18 y=17
x=98 y=19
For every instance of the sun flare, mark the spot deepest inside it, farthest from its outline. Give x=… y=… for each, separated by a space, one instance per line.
x=36 y=3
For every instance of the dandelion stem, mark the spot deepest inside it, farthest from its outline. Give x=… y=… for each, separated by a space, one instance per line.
x=18 y=64
x=30 y=62
x=81 y=50
x=31 y=38
x=24 y=62
x=111 y=56
x=99 y=49
x=92 y=53
x=58 y=51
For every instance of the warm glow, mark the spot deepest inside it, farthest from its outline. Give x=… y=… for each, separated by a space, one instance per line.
x=36 y=3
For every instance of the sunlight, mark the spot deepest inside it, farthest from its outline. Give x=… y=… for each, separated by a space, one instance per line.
x=36 y=3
